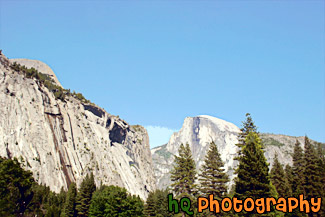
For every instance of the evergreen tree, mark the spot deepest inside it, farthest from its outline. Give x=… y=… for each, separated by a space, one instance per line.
x=321 y=166
x=312 y=173
x=70 y=203
x=289 y=177
x=253 y=173
x=162 y=203
x=157 y=203
x=150 y=206
x=248 y=126
x=213 y=179
x=15 y=188
x=297 y=169
x=183 y=174
x=84 y=195
x=114 y=201
x=40 y=197
x=278 y=178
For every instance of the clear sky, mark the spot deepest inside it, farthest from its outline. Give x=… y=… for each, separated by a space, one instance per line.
x=156 y=62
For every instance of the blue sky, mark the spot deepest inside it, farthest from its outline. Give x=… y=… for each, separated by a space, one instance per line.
x=156 y=62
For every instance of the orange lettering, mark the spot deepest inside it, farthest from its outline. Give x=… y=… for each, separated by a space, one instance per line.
x=235 y=201
x=282 y=205
x=268 y=203
x=213 y=203
x=249 y=209
x=223 y=207
x=290 y=205
x=202 y=207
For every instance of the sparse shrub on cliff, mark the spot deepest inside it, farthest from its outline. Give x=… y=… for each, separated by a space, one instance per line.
x=59 y=92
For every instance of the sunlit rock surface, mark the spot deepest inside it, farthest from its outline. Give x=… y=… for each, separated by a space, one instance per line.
x=60 y=142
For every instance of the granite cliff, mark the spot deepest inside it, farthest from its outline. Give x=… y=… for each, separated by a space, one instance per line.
x=62 y=139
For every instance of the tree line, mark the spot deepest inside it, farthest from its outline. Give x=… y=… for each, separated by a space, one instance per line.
x=254 y=180
x=20 y=195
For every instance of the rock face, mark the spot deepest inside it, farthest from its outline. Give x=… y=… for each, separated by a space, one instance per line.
x=199 y=131
x=62 y=141
x=40 y=66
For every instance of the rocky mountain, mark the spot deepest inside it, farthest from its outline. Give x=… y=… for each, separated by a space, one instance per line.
x=60 y=136
x=199 y=131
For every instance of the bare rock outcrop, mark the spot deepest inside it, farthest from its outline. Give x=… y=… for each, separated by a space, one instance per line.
x=61 y=141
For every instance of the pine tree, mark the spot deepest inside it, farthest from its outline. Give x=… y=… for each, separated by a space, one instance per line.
x=321 y=166
x=161 y=203
x=84 y=195
x=296 y=176
x=297 y=169
x=289 y=176
x=157 y=203
x=15 y=188
x=248 y=126
x=150 y=206
x=253 y=173
x=70 y=203
x=183 y=174
x=312 y=173
x=278 y=178
x=213 y=179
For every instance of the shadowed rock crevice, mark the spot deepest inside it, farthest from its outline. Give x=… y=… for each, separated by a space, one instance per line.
x=95 y=110
x=117 y=134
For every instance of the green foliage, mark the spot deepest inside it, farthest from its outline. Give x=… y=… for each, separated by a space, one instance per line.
x=15 y=187
x=164 y=152
x=272 y=142
x=137 y=128
x=183 y=175
x=87 y=188
x=157 y=203
x=289 y=177
x=113 y=201
x=213 y=179
x=70 y=203
x=253 y=173
x=21 y=196
x=321 y=165
x=312 y=172
x=59 y=92
x=279 y=179
x=297 y=170
x=248 y=126
x=80 y=97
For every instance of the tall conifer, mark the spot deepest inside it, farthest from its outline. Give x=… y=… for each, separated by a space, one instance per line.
x=297 y=169
x=150 y=206
x=213 y=178
x=321 y=165
x=85 y=193
x=70 y=203
x=279 y=179
x=253 y=173
x=312 y=181
x=248 y=126
x=289 y=176
x=183 y=174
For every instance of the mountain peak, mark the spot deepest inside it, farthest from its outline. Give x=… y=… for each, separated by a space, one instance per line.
x=222 y=124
